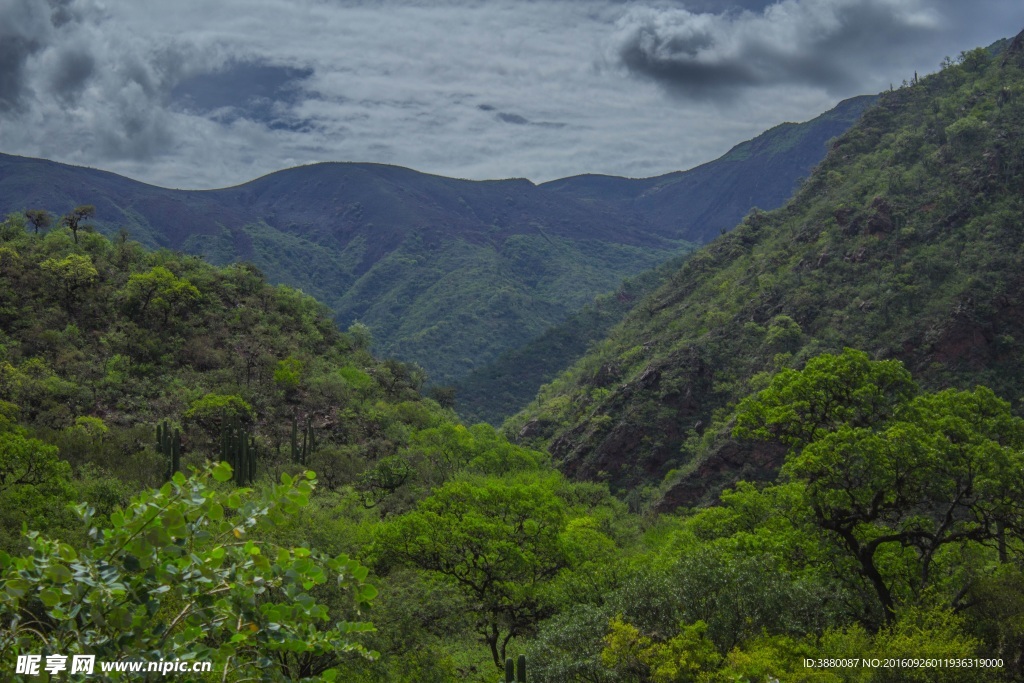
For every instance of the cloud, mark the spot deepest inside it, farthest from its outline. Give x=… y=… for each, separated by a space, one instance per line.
x=818 y=43
x=199 y=94
x=257 y=91
x=24 y=30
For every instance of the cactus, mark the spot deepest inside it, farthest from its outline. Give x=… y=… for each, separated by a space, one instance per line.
x=301 y=453
x=238 y=449
x=169 y=445
x=515 y=674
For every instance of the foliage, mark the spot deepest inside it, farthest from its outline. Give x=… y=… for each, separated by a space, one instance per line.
x=832 y=391
x=884 y=472
x=35 y=485
x=681 y=659
x=497 y=542
x=212 y=409
x=158 y=294
x=177 y=575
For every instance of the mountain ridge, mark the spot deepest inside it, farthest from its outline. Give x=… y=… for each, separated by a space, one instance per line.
x=448 y=273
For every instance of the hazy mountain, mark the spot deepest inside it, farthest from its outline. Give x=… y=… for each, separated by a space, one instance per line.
x=705 y=201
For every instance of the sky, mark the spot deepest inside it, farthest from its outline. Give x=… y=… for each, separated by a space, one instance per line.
x=199 y=94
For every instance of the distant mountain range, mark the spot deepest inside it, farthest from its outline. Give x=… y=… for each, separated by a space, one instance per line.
x=447 y=273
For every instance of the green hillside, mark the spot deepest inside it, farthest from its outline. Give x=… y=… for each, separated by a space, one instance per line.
x=501 y=388
x=905 y=242
x=351 y=530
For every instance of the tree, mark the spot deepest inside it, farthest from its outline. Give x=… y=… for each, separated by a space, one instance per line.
x=895 y=482
x=39 y=218
x=70 y=275
x=35 y=484
x=179 y=575
x=212 y=411
x=801 y=406
x=497 y=542
x=12 y=228
x=158 y=293
x=74 y=218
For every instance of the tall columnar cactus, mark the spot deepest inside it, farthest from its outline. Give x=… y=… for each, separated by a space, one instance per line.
x=238 y=449
x=169 y=445
x=515 y=674
x=295 y=438
x=301 y=452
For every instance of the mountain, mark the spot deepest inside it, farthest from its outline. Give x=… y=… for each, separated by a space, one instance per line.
x=705 y=201
x=905 y=242
x=447 y=273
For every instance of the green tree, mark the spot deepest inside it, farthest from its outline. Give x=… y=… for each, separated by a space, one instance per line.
x=832 y=391
x=12 y=228
x=35 y=485
x=39 y=218
x=179 y=574
x=288 y=376
x=681 y=659
x=70 y=275
x=497 y=542
x=895 y=480
x=158 y=293
x=209 y=410
x=73 y=219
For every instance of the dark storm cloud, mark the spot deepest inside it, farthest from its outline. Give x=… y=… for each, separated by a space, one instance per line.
x=13 y=52
x=24 y=29
x=724 y=6
x=513 y=118
x=28 y=29
x=71 y=71
x=61 y=12
x=820 y=43
x=71 y=83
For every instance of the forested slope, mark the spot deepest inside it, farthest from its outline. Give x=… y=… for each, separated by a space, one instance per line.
x=499 y=389
x=906 y=242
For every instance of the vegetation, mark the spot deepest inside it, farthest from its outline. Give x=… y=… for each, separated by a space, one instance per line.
x=501 y=388
x=175 y=573
x=426 y=550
